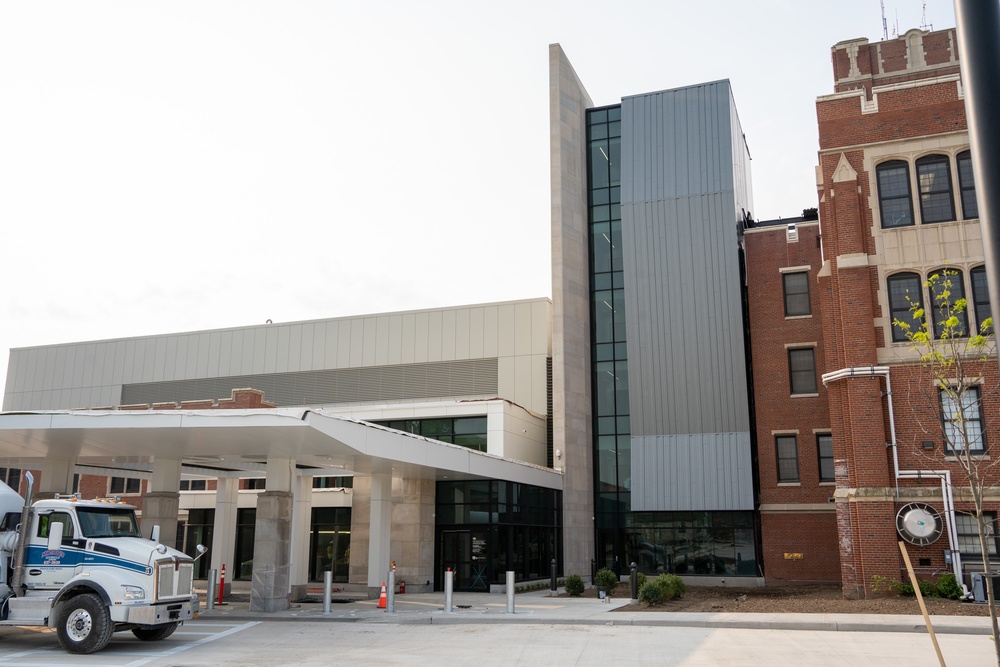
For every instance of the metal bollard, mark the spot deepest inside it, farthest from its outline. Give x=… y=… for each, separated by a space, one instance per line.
x=448 y=579
x=510 y=592
x=593 y=571
x=327 y=591
x=634 y=582
x=210 y=598
x=390 y=599
x=554 y=585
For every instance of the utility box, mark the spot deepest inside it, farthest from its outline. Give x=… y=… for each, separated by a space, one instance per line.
x=979 y=585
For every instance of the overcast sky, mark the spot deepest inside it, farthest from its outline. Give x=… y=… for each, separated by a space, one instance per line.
x=177 y=166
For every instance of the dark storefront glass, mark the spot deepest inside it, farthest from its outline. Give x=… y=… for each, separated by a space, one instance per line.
x=486 y=527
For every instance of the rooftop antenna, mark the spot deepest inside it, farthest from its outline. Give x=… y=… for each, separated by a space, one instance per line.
x=895 y=28
x=924 y=25
x=885 y=26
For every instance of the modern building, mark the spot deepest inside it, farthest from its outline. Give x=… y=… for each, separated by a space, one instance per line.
x=704 y=394
x=651 y=401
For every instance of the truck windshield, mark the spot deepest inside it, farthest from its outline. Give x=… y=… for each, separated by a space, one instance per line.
x=108 y=522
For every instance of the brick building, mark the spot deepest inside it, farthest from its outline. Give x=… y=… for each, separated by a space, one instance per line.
x=847 y=437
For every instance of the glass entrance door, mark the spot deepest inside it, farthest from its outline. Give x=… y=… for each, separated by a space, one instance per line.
x=465 y=552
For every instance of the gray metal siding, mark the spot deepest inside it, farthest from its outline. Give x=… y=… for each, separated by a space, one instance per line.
x=378 y=384
x=91 y=374
x=695 y=472
x=687 y=364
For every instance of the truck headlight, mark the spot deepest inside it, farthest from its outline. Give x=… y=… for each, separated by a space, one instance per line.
x=133 y=593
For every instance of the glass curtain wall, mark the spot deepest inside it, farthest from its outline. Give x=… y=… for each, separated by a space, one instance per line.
x=612 y=454
x=487 y=527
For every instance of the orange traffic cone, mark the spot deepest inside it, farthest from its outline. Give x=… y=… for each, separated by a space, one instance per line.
x=381 y=597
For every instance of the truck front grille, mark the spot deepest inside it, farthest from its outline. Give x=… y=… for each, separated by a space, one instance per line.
x=174 y=579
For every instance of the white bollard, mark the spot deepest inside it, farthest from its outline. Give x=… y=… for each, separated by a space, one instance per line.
x=390 y=599
x=210 y=600
x=327 y=591
x=449 y=577
x=510 y=592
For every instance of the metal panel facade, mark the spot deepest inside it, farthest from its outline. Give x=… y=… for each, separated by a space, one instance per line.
x=694 y=472
x=91 y=375
x=687 y=363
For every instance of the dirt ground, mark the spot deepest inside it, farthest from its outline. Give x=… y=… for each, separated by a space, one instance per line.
x=810 y=599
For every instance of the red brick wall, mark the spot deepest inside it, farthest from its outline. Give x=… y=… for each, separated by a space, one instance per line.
x=814 y=536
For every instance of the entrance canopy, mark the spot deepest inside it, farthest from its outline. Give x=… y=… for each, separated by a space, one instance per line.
x=234 y=443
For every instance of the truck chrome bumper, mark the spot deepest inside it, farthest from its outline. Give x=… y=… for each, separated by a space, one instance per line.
x=163 y=612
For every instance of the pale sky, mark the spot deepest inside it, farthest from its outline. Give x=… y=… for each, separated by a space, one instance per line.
x=178 y=166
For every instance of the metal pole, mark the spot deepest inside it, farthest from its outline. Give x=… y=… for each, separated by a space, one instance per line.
x=634 y=582
x=390 y=600
x=448 y=577
x=552 y=568
x=327 y=591
x=210 y=598
x=510 y=592
x=978 y=24
x=593 y=571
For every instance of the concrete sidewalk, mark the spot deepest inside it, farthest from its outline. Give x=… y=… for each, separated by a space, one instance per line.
x=539 y=608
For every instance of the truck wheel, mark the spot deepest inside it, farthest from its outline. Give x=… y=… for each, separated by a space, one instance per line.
x=84 y=624
x=155 y=634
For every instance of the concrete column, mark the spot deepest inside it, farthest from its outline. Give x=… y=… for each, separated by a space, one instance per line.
x=162 y=500
x=271 y=587
x=381 y=522
x=224 y=530
x=301 y=528
x=56 y=477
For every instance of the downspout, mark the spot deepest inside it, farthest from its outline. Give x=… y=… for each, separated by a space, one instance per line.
x=948 y=500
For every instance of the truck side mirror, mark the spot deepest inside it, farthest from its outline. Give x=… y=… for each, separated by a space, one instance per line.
x=55 y=536
x=155 y=535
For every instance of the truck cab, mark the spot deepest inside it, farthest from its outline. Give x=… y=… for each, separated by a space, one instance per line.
x=83 y=568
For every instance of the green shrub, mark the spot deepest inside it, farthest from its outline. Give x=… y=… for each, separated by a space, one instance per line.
x=651 y=593
x=640 y=580
x=606 y=579
x=903 y=588
x=671 y=585
x=947 y=587
x=574 y=585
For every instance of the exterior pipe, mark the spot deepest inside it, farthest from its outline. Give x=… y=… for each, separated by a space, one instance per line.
x=947 y=497
x=17 y=584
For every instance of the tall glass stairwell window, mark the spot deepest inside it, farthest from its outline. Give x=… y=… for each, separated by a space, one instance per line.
x=612 y=453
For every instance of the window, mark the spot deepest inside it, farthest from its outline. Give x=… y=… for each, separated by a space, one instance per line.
x=194 y=484
x=824 y=452
x=970 y=417
x=802 y=368
x=904 y=290
x=11 y=477
x=968 y=534
x=967 y=185
x=340 y=482
x=46 y=520
x=465 y=431
x=895 y=203
x=934 y=178
x=788 y=458
x=255 y=483
x=124 y=485
x=796 y=286
x=981 y=298
x=950 y=287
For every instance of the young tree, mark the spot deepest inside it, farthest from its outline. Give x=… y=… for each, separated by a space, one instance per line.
x=957 y=362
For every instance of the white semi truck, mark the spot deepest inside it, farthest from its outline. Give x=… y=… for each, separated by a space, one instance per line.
x=84 y=569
